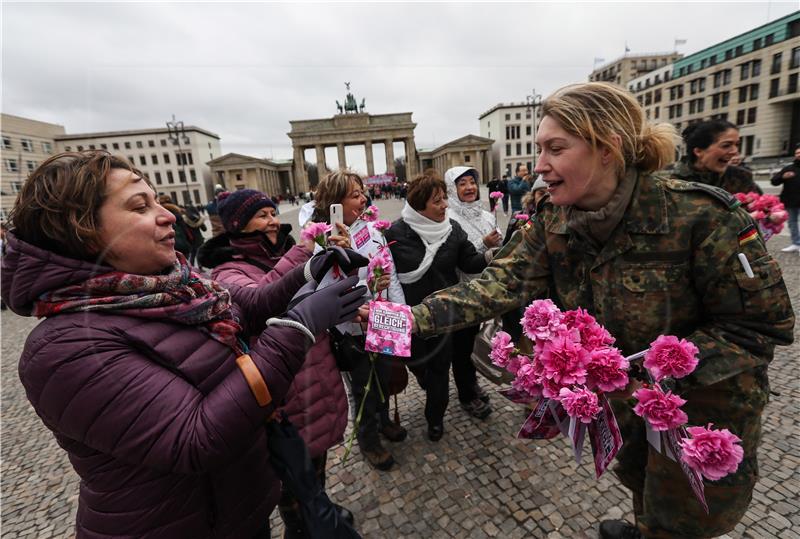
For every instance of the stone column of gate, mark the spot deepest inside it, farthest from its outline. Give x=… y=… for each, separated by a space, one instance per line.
x=490 y=163
x=389 y=155
x=370 y=164
x=321 y=168
x=411 y=158
x=300 y=180
x=479 y=167
x=342 y=157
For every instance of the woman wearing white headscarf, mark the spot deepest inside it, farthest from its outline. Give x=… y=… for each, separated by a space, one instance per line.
x=463 y=196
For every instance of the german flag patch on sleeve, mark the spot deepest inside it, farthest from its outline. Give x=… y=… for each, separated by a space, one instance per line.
x=748 y=234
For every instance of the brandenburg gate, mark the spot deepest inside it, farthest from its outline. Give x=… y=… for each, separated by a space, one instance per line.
x=351 y=127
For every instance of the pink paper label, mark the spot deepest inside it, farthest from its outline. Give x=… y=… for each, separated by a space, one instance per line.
x=360 y=237
x=540 y=425
x=673 y=438
x=389 y=329
x=605 y=436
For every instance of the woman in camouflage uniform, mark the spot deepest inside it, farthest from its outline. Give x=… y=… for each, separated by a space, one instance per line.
x=646 y=255
x=711 y=149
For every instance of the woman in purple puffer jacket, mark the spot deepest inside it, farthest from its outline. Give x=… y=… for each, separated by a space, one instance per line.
x=256 y=249
x=141 y=368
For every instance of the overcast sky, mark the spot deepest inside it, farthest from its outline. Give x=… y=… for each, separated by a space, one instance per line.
x=244 y=70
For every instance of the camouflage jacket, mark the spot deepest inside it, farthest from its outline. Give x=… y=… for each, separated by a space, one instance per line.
x=733 y=180
x=670 y=267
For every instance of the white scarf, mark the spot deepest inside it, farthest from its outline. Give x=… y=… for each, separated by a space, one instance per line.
x=433 y=236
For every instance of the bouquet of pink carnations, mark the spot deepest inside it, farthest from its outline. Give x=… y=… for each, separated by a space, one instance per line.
x=573 y=365
x=767 y=210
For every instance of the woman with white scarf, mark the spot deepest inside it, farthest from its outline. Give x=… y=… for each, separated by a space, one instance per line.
x=463 y=196
x=428 y=250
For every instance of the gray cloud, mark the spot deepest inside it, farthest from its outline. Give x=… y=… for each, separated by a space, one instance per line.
x=245 y=70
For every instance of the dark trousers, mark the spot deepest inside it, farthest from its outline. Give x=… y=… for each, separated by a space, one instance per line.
x=430 y=364
x=492 y=203
x=464 y=372
x=289 y=507
x=376 y=413
x=505 y=202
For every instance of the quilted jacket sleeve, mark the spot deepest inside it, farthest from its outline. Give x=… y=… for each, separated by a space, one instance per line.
x=258 y=303
x=91 y=385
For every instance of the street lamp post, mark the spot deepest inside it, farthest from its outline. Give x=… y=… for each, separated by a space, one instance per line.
x=176 y=134
x=534 y=100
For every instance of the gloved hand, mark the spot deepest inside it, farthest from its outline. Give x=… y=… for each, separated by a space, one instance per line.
x=319 y=310
x=347 y=260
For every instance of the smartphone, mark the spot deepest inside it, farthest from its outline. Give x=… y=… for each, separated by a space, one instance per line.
x=337 y=216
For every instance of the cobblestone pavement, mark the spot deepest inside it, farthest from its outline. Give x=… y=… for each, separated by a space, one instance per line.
x=478 y=481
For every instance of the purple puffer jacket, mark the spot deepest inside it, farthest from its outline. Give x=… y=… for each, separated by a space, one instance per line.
x=317 y=401
x=157 y=419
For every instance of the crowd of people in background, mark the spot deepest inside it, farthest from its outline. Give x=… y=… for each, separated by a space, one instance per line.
x=234 y=331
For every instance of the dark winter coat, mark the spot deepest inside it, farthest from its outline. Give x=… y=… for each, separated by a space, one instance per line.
x=317 y=402
x=790 y=194
x=157 y=419
x=457 y=252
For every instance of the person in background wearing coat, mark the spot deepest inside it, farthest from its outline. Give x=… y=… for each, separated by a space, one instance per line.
x=428 y=249
x=710 y=147
x=213 y=216
x=345 y=187
x=504 y=189
x=789 y=178
x=464 y=207
x=494 y=186
x=517 y=188
x=645 y=255
x=141 y=367
x=257 y=249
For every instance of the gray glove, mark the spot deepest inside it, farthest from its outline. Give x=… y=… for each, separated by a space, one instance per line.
x=319 y=310
x=319 y=264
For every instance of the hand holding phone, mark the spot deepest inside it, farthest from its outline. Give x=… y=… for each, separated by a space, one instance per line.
x=337 y=216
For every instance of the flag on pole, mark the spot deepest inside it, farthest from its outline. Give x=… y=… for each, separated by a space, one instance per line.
x=598 y=60
x=679 y=42
x=627 y=49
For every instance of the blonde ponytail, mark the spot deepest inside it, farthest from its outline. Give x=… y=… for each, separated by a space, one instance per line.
x=656 y=147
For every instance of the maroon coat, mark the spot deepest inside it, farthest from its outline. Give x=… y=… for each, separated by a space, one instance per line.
x=157 y=419
x=317 y=401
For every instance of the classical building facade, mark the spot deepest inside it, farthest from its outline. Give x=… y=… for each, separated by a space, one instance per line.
x=177 y=167
x=512 y=128
x=26 y=143
x=622 y=70
x=469 y=150
x=750 y=80
x=351 y=129
x=235 y=171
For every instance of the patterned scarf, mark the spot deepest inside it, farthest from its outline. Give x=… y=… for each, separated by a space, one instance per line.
x=181 y=296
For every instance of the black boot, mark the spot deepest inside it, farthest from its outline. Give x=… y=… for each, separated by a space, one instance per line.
x=618 y=529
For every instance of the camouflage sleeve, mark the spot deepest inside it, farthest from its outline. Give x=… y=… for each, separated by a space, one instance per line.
x=746 y=316
x=518 y=273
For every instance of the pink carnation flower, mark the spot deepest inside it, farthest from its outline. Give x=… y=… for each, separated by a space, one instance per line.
x=579 y=403
x=713 y=453
x=607 y=369
x=669 y=356
x=522 y=217
x=496 y=194
x=382 y=225
x=661 y=410
x=379 y=265
x=502 y=348
x=592 y=334
x=541 y=320
x=527 y=379
x=516 y=362
x=316 y=233
x=370 y=214
x=563 y=360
